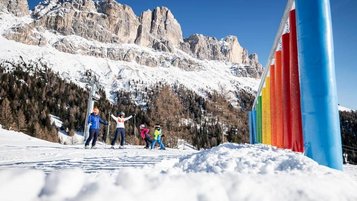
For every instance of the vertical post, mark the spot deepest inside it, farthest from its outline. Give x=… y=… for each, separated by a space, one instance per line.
x=319 y=104
x=254 y=122
x=264 y=115
x=135 y=129
x=260 y=125
x=279 y=100
x=250 y=123
x=286 y=90
x=273 y=106
x=268 y=111
x=90 y=105
x=295 y=106
x=257 y=120
x=107 y=141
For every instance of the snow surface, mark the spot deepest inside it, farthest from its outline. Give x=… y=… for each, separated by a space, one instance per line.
x=32 y=169
x=344 y=109
x=64 y=138
x=56 y=120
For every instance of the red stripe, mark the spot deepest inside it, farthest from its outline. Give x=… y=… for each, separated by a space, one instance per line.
x=295 y=109
x=286 y=90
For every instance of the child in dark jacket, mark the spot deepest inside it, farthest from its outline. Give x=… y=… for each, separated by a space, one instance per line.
x=144 y=132
x=94 y=122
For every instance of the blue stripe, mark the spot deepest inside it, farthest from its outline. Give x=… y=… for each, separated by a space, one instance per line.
x=319 y=103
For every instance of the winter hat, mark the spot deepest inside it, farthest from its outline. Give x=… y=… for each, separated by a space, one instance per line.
x=142 y=126
x=121 y=114
x=158 y=127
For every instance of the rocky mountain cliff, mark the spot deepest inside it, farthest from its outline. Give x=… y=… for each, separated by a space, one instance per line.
x=16 y=7
x=105 y=25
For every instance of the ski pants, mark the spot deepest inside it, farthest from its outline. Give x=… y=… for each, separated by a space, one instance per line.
x=148 y=141
x=93 y=134
x=162 y=146
x=120 y=131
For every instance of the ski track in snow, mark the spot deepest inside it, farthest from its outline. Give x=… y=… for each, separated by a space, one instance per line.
x=33 y=169
x=31 y=153
x=111 y=161
x=51 y=157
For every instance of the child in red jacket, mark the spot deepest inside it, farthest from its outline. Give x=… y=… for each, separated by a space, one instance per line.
x=145 y=135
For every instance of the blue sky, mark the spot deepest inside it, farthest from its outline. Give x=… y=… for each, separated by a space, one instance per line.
x=255 y=22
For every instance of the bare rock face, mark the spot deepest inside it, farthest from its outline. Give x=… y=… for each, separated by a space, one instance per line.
x=233 y=50
x=25 y=34
x=205 y=47
x=17 y=7
x=227 y=49
x=159 y=29
x=121 y=20
x=123 y=53
x=105 y=21
x=110 y=22
x=254 y=63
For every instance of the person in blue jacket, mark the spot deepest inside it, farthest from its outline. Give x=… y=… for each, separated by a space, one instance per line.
x=94 y=121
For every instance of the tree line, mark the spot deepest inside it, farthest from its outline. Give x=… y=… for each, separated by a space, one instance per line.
x=349 y=134
x=30 y=93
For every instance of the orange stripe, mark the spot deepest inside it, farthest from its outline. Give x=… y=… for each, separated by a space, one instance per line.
x=272 y=105
x=279 y=99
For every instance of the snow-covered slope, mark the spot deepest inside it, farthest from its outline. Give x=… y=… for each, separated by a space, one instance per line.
x=115 y=75
x=31 y=169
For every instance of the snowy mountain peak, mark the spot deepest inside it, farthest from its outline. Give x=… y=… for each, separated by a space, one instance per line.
x=108 y=21
x=132 y=55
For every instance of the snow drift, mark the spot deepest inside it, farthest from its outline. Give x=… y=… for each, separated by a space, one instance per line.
x=226 y=172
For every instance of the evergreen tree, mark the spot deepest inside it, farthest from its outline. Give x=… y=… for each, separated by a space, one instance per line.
x=6 y=114
x=21 y=121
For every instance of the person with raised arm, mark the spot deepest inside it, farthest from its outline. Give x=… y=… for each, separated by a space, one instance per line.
x=120 y=128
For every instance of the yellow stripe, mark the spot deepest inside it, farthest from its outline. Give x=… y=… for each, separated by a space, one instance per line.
x=266 y=121
x=264 y=127
x=268 y=111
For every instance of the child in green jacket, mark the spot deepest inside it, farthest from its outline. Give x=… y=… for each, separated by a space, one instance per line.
x=157 y=138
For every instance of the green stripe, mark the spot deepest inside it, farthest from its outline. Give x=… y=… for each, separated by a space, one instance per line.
x=260 y=119
x=257 y=120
